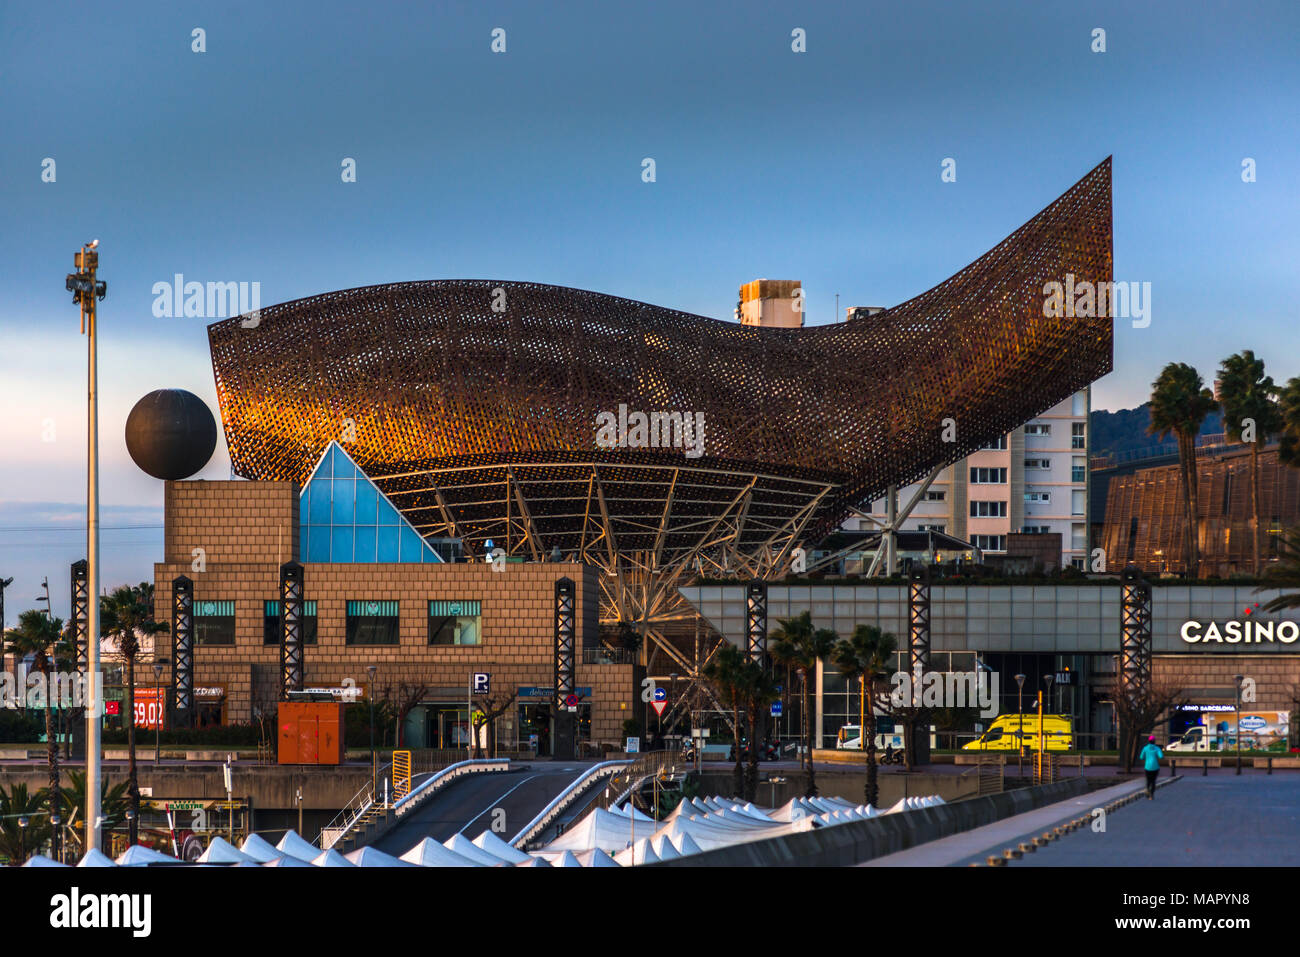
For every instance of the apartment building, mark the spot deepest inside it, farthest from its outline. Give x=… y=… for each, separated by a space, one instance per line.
x=1033 y=480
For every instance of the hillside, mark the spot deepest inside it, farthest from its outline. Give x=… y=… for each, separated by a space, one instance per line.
x=1126 y=429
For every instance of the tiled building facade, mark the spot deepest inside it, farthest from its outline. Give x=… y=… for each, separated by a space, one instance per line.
x=230 y=538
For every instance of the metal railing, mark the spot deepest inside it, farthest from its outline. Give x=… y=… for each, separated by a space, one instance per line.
x=548 y=814
x=637 y=771
x=426 y=789
x=609 y=656
x=352 y=814
x=990 y=773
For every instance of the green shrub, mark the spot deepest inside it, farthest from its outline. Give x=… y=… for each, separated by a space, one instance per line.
x=19 y=727
x=215 y=736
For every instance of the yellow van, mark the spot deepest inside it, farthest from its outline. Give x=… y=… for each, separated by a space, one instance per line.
x=1005 y=733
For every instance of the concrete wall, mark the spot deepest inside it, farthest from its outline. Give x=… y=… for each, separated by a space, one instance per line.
x=847 y=844
x=847 y=784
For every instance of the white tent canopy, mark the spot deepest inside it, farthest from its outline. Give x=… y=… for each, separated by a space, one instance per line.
x=286 y=860
x=137 y=855
x=96 y=858
x=604 y=829
x=40 y=860
x=295 y=846
x=429 y=853
x=487 y=841
x=220 y=851
x=595 y=858
x=373 y=857
x=639 y=853
x=463 y=846
x=260 y=849
x=331 y=858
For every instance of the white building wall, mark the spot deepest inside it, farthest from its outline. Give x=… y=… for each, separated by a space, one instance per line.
x=1066 y=489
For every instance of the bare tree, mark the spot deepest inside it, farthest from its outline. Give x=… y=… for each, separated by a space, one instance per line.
x=491 y=708
x=408 y=696
x=1137 y=714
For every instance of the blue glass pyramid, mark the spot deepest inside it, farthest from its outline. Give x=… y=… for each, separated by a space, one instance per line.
x=345 y=518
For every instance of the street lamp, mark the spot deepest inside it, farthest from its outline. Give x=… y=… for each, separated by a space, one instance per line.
x=157 y=718
x=1042 y=737
x=22 y=838
x=86 y=289
x=374 y=755
x=774 y=781
x=1237 y=680
x=1020 y=738
x=55 y=843
x=132 y=834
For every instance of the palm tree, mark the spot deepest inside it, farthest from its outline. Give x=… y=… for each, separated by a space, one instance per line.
x=798 y=644
x=1248 y=395
x=16 y=840
x=726 y=671
x=38 y=635
x=1179 y=404
x=759 y=688
x=1288 y=405
x=112 y=804
x=867 y=656
x=127 y=616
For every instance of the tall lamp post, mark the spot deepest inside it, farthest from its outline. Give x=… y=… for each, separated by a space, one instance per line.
x=374 y=755
x=5 y=583
x=157 y=718
x=1237 y=679
x=86 y=289
x=22 y=838
x=56 y=839
x=1020 y=737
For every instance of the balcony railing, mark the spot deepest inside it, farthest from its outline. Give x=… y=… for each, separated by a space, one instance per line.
x=608 y=656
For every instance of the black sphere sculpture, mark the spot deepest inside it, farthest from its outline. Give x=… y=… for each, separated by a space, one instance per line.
x=171 y=434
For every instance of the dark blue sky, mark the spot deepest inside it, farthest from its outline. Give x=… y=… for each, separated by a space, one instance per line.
x=822 y=166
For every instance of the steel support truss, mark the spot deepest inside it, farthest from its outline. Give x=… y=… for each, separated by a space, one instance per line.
x=293 y=670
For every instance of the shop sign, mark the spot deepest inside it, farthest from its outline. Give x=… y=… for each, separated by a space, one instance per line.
x=1239 y=632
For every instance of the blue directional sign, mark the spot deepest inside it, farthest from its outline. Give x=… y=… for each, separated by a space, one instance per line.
x=661 y=694
x=776 y=709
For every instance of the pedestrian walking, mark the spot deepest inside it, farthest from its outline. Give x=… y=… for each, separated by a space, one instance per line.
x=1151 y=756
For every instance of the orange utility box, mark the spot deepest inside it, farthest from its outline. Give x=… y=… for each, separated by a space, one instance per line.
x=311 y=732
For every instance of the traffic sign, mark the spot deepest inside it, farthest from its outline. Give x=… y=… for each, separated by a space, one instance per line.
x=661 y=694
x=571 y=701
x=482 y=683
x=659 y=707
x=776 y=709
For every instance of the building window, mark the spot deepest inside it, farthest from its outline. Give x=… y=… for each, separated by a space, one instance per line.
x=1077 y=563
x=932 y=496
x=930 y=528
x=990 y=543
x=214 y=622
x=1079 y=470
x=1038 y=428
x=1037 y=497
x=271 y=622
x=998 y=445
x=988 y=509
x=1036 y=529
x=372 y=623
x=1078 y=437
x=1040 y=464
x=455 y=622
x=982 y=476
